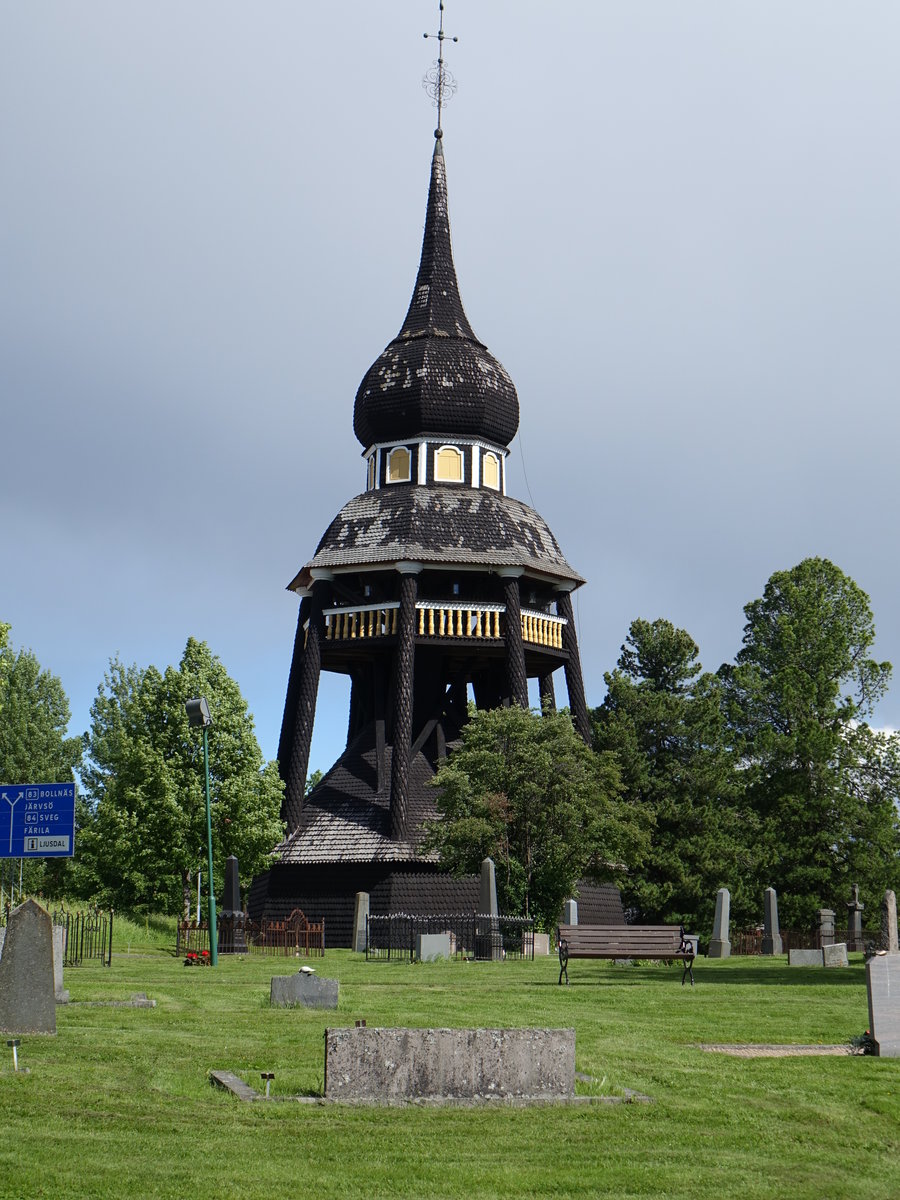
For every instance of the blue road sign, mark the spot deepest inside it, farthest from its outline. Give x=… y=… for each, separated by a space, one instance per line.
x=37 y=820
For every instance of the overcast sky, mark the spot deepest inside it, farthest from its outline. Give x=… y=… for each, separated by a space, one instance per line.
x=675 y=224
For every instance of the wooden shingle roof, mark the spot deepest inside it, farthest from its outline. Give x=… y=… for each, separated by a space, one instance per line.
x=436 y=377
x=441 y=524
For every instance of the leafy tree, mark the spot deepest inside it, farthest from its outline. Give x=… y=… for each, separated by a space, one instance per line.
x=144 y=775
x=663 y=719
x=821 y=784
x=525 y=790
x=4 y=642
x=33 y=742
x=34 y=747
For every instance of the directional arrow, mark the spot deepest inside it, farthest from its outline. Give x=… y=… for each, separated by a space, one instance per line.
x=12 y=804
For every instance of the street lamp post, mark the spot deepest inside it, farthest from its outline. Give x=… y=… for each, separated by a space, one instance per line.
x=198 y=715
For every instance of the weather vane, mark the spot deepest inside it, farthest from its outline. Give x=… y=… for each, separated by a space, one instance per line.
x=438 y=82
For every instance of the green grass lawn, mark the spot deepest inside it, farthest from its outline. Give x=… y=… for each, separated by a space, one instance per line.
x=119 y=1103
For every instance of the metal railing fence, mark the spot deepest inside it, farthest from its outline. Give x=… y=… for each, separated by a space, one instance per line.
x=472 y=935
x=291 y=937
x=88 y=935
x=749 y=941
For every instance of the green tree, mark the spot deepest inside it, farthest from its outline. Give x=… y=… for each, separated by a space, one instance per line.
x=820 y=783
x=144 y=776
x=663 y=719
x=34 y=746
x=4 y=642
x=525 y=790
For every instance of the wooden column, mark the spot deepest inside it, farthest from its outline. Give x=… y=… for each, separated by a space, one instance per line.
x=516 y=679
x=574 y=680
x=286 y=739
x=305 y=712
x=402 y=692
x=548 y=695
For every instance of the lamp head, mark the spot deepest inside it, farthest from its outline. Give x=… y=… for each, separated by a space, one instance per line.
x=198 y=712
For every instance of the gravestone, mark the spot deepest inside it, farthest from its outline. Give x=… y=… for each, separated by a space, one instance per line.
x=27 y=991
x=720 y=946
x=303 y=990
x=432 y=946
x=487 y=896
x=889 y=940
x=771 y=943
x=541 y=944
x=570 y=913
x=360 y=921
x=806 y=958
x=854 y=920
x=883 y=988
x=487 y=936
x=59 y=953
x=826 y=926
x=232 y=935
x=371 y=1064
x=835 y=955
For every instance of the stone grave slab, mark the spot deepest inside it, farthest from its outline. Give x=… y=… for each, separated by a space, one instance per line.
x=883 y=988
x=772 y=943
x=27 y=991
x=303 y=990
x=360 y=919
x=396 y=1065
x=835 y=955
x=432 y=946
x=889 y=939
x=720 y=944
x=541 y=944
x=805 y=958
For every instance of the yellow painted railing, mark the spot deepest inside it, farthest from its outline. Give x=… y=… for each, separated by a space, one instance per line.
x=442 y=621
x=368 y=621
x=542 y=629
x=459 y=620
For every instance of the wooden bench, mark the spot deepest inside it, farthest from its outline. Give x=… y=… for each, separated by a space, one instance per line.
x=666 y=942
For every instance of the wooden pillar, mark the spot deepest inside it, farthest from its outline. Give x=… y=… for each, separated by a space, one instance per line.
x=574 y=680
x=402 y=691
x=305 y=712
x=516 y=679
x=548 y=695
x=286 y=739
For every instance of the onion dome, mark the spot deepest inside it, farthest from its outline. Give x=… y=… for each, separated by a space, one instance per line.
x=435 y=377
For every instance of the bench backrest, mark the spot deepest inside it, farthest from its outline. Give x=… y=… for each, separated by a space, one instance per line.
x=629 y=939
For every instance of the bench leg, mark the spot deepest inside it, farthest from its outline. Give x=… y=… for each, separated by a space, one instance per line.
x=688 y=970
x=564 y=970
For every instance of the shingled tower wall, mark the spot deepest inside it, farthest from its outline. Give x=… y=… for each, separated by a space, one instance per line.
x=430 y=583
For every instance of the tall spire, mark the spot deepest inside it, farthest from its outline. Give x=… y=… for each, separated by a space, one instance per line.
x=436 y=308
x=436 y=377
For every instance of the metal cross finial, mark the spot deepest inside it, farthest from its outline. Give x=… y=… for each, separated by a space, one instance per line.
x=438 y=82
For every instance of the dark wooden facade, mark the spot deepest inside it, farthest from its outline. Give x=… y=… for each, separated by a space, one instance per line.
x=430 y=587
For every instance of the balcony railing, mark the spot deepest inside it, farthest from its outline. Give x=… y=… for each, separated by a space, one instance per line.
x=442 y=620
x=365 y=621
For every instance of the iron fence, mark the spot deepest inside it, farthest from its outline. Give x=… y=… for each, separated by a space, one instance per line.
x=291 y=937
x=749 y=941
x=472 y=935
x=88 y=936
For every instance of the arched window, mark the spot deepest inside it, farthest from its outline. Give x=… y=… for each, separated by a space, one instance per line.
x=398 y=465
x=490 y=471
x=448 y=464
x=370 y=474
